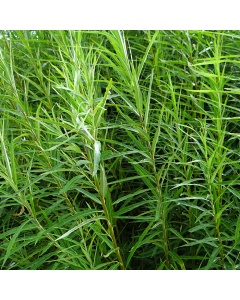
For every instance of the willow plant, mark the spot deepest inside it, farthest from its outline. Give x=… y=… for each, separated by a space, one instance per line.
x=119 y=150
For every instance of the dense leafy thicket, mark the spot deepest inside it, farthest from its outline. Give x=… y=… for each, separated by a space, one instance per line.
x=119 y=150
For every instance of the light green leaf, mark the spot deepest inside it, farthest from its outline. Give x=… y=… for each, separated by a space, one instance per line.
x=79 y=226
x=97 y=156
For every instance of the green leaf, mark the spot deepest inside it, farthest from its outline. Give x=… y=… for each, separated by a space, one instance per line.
x=128 y=208
x=130 y=196
x=79 y=226
x=208 y=240
x=89 y=195
x=140 y=66
x=138 y=243
x=237 y=231
x=178 y=234
x=178 y=259
x=147 y=108
x=97 y=156
x=157 y=133
x=213 y=259
x=68 y=186
x=200 y=227
x=12 y=241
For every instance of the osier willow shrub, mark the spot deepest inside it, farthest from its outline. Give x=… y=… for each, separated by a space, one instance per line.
x=119 y=150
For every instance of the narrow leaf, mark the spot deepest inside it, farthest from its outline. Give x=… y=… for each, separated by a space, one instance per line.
x=97 y=155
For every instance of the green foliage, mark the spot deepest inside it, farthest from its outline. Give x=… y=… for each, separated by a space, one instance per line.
x=119 y=150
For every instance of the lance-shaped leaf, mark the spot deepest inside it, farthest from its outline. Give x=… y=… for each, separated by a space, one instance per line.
x=97 y=155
